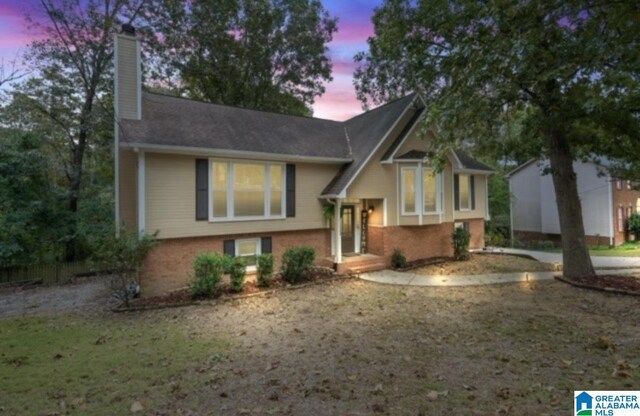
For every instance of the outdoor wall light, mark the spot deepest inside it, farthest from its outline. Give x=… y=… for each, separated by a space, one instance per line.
x=370 y=209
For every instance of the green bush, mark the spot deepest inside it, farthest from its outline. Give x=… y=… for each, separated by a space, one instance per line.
x=461 y=238
x=296 y=263
x=238 y=273
x=264 y=264
x=398 y=259
x=633 y=224
x=121 y=258
x=208 y=270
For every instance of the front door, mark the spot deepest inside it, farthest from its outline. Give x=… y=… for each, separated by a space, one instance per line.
x=348 y=230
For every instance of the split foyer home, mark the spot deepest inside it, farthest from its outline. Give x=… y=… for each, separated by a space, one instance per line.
x=607 y=203
x=211 y=177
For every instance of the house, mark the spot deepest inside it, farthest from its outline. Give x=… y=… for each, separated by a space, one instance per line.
x=606 y=202
x=210 y=177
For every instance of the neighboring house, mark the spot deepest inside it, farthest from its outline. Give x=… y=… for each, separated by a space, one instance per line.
x=211 y=177
x=606 y=202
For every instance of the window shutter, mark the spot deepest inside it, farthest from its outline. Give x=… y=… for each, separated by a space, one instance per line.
x=265 y=245
x=472 y=187
x=291 y=190
x=230 y=247
x=456 y=192
x=202 y=189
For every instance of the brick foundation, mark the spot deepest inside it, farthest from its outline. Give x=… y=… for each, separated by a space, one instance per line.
x=170 y=264
x=421 y=242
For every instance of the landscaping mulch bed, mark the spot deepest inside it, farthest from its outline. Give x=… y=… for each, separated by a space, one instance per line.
x=183 y=297
x=623 y=284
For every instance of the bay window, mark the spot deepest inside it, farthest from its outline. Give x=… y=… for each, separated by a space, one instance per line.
x=246 y=190
x=409 y=194
x=421 y=190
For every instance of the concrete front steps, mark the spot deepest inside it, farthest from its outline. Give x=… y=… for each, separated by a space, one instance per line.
x=361 y=263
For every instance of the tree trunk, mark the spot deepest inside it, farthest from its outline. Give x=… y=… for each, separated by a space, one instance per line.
x=575 y=255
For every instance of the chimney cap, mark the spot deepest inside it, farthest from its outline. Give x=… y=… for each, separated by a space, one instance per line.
x=128 y=29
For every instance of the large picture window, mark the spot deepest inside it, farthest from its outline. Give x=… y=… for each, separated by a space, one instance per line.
x=420 y=191
x=246 y=190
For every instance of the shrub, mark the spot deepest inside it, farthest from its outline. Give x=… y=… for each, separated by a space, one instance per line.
x=121 y=258
x=238 y=272
x=633 y=224
x=461 y=238
x=398 y=259
x=265 y=269
x=208 y=268
x=296 y=263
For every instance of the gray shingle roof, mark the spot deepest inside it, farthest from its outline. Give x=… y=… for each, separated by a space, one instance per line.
x=398 y=141
x=172 y=121
x=468 y=162
x=413 y=155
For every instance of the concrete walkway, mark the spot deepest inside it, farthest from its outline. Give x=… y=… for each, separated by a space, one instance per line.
x=393 y=277
x=552 y=257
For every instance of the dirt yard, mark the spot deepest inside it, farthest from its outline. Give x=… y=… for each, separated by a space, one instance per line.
x=486 y=263
x=346 y=348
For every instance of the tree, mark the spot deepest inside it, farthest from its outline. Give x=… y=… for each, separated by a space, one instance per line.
x=74 y=65
x=570 y=67
x=261 y=54
x=32 y=213
x=9 y=73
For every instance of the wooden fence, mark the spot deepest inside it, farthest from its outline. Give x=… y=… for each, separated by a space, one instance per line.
x=54 y=273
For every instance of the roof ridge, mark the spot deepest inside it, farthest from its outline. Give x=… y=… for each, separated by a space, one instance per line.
x=241 y=108
x=381 y=106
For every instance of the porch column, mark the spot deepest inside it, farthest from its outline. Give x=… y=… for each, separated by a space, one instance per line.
x=337 y=224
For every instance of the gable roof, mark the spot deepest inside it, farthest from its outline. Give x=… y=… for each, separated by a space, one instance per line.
x=177 y=122
x=467 y=162
x=366 y=132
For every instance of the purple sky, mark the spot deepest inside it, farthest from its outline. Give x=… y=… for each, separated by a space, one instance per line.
x=338 y=103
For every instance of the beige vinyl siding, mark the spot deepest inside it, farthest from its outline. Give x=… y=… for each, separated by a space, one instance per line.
x=415 y=142
x=480 y=190
x=170 y=200
x=128 y=189
x=128 y=93
x=379 y=180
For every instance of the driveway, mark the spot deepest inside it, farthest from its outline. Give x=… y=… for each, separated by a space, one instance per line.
x=85 y=294
x=552 y=257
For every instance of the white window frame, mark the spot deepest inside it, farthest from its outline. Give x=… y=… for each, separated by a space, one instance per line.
x=469 y=204
x=438 y=177
x=419 y=191
x=417 y=178
x=230 y=194
x=258 y=243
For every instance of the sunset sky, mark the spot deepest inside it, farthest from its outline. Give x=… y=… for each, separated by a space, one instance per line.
x=338 y=103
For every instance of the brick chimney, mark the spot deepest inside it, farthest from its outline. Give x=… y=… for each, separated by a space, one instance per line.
x=127 y=74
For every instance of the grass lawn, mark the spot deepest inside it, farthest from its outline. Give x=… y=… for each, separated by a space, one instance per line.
x=628 y=249
x=96 y=366
x=346 y=348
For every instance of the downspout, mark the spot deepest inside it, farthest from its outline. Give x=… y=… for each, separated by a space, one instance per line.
x=611 y=228
x=142 y=210
x=511 y=211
